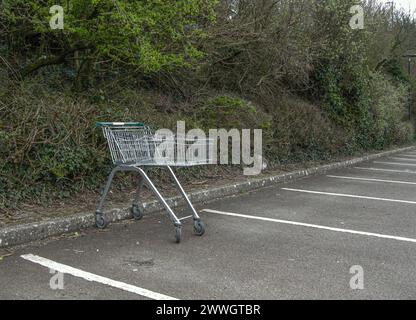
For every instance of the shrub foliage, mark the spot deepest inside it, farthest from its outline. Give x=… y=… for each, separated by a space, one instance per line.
x=294 y=68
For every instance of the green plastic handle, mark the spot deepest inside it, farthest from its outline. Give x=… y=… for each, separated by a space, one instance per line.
x=119 y=124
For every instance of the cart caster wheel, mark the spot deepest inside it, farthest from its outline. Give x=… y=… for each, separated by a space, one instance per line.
x=100 y=221
x=199 y=228
x=178 y=234
x=137 y=212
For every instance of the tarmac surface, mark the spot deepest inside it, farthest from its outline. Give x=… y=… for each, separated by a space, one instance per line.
x=308 y=239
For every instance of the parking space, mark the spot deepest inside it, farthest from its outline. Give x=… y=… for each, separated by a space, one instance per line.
x=292 y=241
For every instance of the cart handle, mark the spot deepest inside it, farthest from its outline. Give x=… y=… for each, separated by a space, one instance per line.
x=119 y=124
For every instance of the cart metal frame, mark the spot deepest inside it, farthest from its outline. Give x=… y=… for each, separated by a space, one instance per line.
x=133 y=148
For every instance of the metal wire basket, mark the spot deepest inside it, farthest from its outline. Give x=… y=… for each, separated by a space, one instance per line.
x=138 y=145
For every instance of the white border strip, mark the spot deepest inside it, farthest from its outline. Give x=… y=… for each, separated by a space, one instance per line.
x=410 y=156
x=385 y=170
x=396 y=163
x=349 y=196
x=403 y=159
x=315 y=226
x=372 y=180
x=93 y=277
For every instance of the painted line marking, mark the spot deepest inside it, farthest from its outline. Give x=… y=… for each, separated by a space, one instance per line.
x=315 y=226
x=349 y=196
x=95 y=278
x=185 y=218
x=404 y=159
x=386 y=170
x=396 y=163
x=372 y=180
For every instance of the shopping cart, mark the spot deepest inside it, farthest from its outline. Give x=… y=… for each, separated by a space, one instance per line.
x=134 y=147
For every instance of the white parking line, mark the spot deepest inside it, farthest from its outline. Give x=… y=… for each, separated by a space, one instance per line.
x=403 y=159
x=372 y=180
x=396 y=163
x=315 y=226
x=186 y=218
x=349 y=196
x=386 y=170
x=93 y=277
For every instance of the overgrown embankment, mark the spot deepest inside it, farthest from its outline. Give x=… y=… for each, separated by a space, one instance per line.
x=318 y=89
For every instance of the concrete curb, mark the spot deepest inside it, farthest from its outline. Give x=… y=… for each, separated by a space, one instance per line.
x=16 y=235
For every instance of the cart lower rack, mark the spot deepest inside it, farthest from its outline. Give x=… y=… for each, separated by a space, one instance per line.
x=133 y=147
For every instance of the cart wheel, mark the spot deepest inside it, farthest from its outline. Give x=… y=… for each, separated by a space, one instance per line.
x=137 y=212
x=178 y=234
x=100 y=221
x=199 y=228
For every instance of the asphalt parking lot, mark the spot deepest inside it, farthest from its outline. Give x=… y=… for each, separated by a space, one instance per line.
x=293 y=241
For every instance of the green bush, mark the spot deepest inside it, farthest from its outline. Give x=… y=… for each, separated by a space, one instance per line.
x=389 y=106
x=225 y=111
x=295 y=69
x=147 y=35
x=301 y=132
